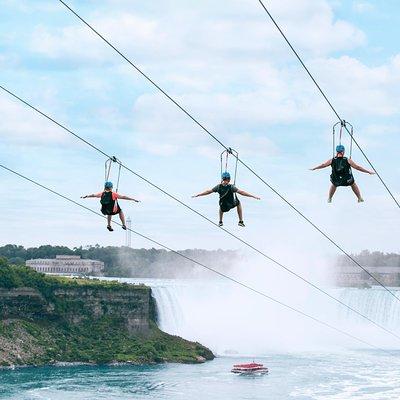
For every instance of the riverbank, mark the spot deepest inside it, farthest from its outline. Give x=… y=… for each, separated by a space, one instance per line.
x=48 y=320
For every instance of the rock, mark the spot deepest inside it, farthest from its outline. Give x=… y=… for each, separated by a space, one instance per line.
x=84 y=321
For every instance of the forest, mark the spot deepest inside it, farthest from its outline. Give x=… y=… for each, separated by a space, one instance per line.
x=128 y=262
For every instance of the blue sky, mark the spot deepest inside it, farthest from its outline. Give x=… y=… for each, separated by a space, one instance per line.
x=226 y=63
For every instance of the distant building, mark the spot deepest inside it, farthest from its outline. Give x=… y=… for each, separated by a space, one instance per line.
x=63 y=264
x=355 y=276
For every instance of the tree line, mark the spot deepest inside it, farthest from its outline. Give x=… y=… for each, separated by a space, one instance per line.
x=129 y=262
x=371 y=259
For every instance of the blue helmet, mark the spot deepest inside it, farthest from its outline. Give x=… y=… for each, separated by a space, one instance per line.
x=339 y=148
x=108 y=185
x=225 y=176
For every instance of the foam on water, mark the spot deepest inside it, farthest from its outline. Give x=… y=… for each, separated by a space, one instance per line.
x=354 y=375
x=302 y=356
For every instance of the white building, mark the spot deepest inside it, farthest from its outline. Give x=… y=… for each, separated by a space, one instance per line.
x=66 y=265
x=352 y=275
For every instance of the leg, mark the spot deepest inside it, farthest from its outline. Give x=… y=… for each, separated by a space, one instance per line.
x=332 y=191
x=109 y=223
x=240 y=211
x=122 y=217
x=220 y=214
x=240 y=215
x=357 y=192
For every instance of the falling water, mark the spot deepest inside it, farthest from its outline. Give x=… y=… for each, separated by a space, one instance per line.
x=231 y=320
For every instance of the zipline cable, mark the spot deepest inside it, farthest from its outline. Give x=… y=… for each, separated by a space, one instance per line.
x=246 y=286
x=226 y=147
x=327 y=100
x=287 y=269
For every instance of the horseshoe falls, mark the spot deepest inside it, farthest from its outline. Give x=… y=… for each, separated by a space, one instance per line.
x=306 y=360
x=231 y=320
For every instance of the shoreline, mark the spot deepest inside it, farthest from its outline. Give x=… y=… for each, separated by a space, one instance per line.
x=46 y=320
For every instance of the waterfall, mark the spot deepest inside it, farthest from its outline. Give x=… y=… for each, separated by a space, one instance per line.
x=231 y=320
x=376 y=303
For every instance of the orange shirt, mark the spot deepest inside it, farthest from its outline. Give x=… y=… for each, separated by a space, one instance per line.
x=115 y=195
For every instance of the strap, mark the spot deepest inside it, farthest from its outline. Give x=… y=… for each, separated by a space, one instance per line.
x=119 y=175
x=351 y=140
x=229 y=152
x=226 y=193
x=342 y=124
x=107 y=167
x=107 y=172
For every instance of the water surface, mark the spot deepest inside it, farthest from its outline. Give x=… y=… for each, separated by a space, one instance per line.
x=341 y=376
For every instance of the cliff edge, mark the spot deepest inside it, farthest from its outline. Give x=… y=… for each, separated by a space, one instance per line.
x=49 y=320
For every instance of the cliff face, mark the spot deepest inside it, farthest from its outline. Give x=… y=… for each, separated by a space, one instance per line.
x=18 y=302
x=131 y=306
x=64 y=320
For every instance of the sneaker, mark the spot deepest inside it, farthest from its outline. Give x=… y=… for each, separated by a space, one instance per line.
x=330 y=200
x=241 y=223
x=220 y=223
x=124 y=227
x=110 y=228
x=361 y=200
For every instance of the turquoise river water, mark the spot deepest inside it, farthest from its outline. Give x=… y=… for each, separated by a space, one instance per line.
x=306 y=360
x=345 y=376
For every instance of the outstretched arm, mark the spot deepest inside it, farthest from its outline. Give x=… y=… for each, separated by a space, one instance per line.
x=359 y=168
x=205 y=193
x=243 y=193
x=89 y=195
x=122 y=197
x=323 y=165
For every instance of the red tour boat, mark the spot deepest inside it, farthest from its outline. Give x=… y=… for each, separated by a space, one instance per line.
x=251 y=368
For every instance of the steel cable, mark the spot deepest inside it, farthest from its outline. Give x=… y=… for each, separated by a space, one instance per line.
x=225 y=276
x=224 y=146
x=109 y=157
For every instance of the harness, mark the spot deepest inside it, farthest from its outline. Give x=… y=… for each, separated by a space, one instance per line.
x=107 y=170
x=341 y=172
x=108 y=205
x=343 y=124
x=225 y=154
x=229 y=199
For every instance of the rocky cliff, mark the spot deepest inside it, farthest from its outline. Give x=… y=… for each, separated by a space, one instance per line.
x=45 y=320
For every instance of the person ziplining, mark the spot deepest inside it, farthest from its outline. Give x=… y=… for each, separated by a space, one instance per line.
x=342 y=174
x=227 y=198
x=109 y=204
x=227 y=191
x=109 y=198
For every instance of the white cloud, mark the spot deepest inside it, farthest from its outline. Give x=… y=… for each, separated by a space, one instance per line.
x=250 y=145
x=231 y=84
x=8 y=61
x=77 y=43
x=269 y=97
x=363 y=7
x=28 y=6
x=180 y=31
x=23 y=126
x=160 y=129
x=360 y=90
x=230 y=68
x=225 y=66
x=311 y=25
x=69 y=43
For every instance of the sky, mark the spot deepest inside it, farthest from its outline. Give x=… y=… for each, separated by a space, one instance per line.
x=226 y=63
